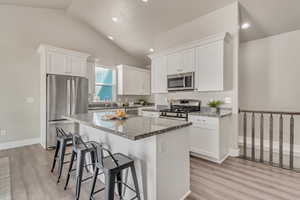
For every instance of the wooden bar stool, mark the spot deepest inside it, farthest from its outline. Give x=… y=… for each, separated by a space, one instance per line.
x=80 y=150
x=112 y=166
x=62 y=140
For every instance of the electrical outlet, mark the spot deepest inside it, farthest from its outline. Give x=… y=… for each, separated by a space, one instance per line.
x=2 y=132
x=227 y=100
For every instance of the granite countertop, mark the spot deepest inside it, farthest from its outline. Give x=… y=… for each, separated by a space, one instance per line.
x=207 y=113
x=118 y=107
x=134 y=127
x=151 y=110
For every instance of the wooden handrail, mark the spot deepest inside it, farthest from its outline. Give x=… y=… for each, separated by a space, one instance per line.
x=269 y=112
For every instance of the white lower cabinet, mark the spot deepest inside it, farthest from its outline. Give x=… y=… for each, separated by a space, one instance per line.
x=150 y=114
x=208 y=137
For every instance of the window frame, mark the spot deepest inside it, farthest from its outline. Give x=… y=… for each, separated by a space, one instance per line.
x=114 y=82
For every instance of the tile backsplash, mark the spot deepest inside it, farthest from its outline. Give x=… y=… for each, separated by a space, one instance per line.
x=205 y=97
x=134 y=98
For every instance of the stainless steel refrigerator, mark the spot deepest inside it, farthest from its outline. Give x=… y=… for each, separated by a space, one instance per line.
x=66 y=95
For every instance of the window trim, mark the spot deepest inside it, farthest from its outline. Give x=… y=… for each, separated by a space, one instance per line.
x=114 y=82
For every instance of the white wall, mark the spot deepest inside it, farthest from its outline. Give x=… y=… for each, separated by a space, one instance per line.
x=269 y=73
x=22 y=30
x=269 y=79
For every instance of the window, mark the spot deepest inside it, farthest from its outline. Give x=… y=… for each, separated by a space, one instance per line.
x=105 y=87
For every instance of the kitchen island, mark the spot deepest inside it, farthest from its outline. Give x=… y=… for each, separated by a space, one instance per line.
x=160 y=148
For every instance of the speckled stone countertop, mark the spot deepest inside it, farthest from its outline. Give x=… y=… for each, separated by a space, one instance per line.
x=118 y=107
x=133 y=128
x=207 y=113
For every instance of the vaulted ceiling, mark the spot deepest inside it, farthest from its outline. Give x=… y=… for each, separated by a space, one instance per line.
x=56 y=4
x=140 y=22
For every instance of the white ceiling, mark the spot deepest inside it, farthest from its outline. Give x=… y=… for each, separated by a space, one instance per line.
x=58 y=4
x=141 y=22
x=269 y=17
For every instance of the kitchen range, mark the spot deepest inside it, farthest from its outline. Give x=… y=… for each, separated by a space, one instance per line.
x=179 y=109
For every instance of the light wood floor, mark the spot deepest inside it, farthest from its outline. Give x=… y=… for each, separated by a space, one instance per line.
x=235 y=179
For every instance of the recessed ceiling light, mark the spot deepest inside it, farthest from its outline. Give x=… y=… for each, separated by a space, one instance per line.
x=145 y=1
x=245 y=25
x=151 y=50
x=114 y=19
x=110 y=37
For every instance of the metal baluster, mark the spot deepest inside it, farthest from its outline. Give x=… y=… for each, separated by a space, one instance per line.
x=281 y=141
x=261 y=137
x=271 y=141
x=292 y=142
x=253 y=138
x=245 y=135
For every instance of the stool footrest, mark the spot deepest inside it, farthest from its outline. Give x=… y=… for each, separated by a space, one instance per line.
x=129 y=187
x=100 y=190
x=88 y=178
x=134 y=197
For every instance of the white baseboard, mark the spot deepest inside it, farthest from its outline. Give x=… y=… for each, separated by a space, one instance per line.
x=186 y=195
x=234 y=152
x=212 y=159
x=19 y=143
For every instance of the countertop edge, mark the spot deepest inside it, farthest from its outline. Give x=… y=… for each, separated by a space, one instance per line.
x=140 y=137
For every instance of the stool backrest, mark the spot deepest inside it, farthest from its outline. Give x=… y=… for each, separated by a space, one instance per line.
x=60 y=132
x=103 y=153
x=78 y=141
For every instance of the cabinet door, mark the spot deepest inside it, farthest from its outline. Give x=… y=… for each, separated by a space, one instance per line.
x=57 y=63
x=209 y=68
x=131 y=82
x=150 y=114
x=175 y=63
x=204 y=142
x=189 y=60
x=159 y=75
x=77 y=65
x=146 y=88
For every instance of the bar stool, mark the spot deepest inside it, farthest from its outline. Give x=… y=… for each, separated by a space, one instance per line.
x=62 y=140
x=80 y=150
x=112 y=166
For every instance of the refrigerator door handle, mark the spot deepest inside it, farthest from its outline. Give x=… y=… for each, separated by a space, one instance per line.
x=73 y=97
x=68 y=97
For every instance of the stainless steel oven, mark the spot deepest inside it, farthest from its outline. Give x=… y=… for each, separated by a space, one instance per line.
x=181 y=82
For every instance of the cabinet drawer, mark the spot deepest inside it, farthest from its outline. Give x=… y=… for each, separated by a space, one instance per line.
x=204 y=122
x=150 y=114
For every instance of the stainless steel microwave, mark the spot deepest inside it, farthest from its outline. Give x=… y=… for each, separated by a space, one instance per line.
x=181 y=82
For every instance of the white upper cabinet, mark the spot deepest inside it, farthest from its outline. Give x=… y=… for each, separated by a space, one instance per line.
x=64 y=62
x=174 y=63
x=78 y=66
x=133 y=81
x=210 y=67
x=189 y=60
x=210 y=59
x=181 y=62
x=159 y=75
x=57 y=63
x=213 y=67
